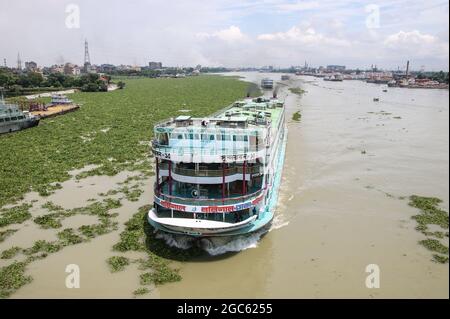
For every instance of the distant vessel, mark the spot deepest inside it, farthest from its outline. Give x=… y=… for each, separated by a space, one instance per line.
x=58 y=99
x=334 y=77
x=219 y=176
x=12 y=119
x=285 y=77
x=267 y=83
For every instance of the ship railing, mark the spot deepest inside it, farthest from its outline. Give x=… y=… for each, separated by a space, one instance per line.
x=257 y=169
x=203 y=150
x=199 y=201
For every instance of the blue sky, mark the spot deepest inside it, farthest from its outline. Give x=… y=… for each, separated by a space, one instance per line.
x=230 y=32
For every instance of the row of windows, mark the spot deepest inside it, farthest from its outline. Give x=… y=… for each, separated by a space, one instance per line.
x=211 y=137
x=14 y=118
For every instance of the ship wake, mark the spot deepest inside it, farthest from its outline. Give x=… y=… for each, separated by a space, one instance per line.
x=215 y=246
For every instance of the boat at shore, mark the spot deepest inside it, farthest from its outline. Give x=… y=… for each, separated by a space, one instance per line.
x=334 y=78
x=13 y=119
x=220 y=175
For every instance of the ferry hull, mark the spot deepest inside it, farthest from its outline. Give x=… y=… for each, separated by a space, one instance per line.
x=17 y=126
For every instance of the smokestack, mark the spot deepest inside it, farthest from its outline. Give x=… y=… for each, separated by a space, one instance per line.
x=407 y=68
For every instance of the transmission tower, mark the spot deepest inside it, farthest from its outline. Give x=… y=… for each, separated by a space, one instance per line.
x=4 y=62
x=87 y=59
x=19 y=62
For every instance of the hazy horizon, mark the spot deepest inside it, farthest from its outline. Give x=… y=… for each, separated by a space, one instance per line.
x=229 y=33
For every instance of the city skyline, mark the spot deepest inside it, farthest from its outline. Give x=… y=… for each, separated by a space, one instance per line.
x=229 y=33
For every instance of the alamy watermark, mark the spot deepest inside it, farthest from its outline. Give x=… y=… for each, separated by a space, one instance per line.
x=72 y=16
x=73 y=277
x=373 y=279
x=373 y=17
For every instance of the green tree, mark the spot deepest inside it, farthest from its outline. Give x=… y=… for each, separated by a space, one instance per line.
x=35 y=78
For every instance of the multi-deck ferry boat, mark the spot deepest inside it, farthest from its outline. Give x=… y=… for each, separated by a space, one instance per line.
x=267 y=83
x=219 y=176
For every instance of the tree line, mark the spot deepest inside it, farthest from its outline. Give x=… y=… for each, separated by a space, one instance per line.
x=15 y=83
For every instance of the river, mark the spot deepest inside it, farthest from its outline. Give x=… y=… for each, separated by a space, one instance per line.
x=347 y=163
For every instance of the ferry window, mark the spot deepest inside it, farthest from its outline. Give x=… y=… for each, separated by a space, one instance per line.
x=1 y=120
x=21 y=117
x=7 y=119
x=204 y=137
x=180 y=136
x=245 y=138
x=234 y=138
x=211 y=137
x=13 y=118
x=226 y=137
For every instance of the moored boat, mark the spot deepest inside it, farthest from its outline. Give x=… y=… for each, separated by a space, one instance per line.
x=13 y=119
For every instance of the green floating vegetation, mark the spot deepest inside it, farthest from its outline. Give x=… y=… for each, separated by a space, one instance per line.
x=298 y=91
x=101 y=209
x=161 y=271
x=440 y=259
x=128 y=115
x=297 y=116
x=43 y=246
x=139 y=236
x=434 y=245
x=48 y=221
x=117 y=263
x=141 y=291
x=131 y=193
x=431 y=214
x=14 y=215
x=6 y=233
x=10 y=253
x=12 y=277
x=68 y=237
x=159 y=278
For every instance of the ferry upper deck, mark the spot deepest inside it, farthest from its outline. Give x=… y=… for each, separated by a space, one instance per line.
x=242 y=131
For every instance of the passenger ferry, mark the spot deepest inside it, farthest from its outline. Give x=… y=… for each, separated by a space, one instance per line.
x=219 y=176
x=267 y=83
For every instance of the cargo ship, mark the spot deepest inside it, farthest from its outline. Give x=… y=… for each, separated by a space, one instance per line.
x=220 y=175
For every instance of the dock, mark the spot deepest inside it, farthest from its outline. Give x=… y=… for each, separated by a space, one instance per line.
x=56 y=110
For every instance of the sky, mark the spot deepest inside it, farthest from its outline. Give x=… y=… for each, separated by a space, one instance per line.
x=230 y=33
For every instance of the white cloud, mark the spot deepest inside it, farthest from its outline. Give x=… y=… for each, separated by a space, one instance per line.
x=231 y=34
x=409 y=38
x=298 y=6
x=417 y=43
x=307 y=36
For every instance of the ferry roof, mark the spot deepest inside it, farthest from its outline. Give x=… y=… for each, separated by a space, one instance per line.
x=250 y=113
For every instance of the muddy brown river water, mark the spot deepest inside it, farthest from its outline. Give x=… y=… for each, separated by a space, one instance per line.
x=347 y=163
